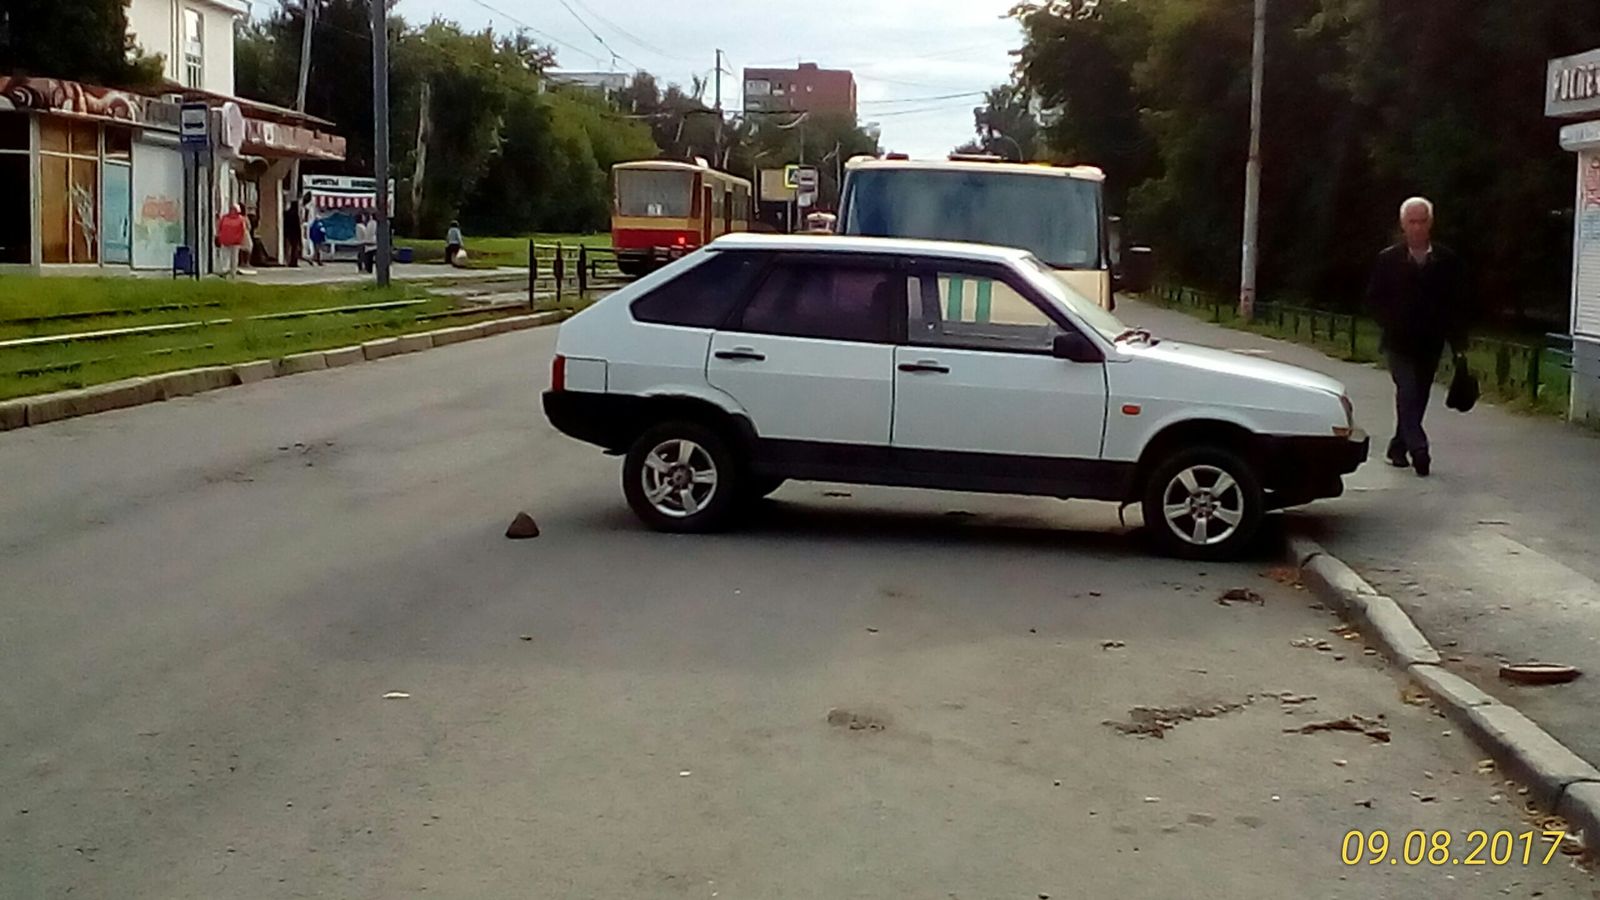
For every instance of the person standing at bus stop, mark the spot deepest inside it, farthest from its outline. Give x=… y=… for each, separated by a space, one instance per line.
x=1419 y=295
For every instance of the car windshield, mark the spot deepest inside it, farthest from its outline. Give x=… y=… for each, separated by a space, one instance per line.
x=1055 y=217
x=1087 y=311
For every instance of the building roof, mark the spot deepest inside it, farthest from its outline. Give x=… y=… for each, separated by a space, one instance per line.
x=254 y=108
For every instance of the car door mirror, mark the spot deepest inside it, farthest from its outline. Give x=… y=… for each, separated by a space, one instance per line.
x=1137 y=271
x=1075 y=347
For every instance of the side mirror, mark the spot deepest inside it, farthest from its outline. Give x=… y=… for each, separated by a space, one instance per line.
x=1138 y=271
x=1076 y=348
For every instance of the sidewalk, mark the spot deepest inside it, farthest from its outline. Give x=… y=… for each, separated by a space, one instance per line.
x=1497 y=555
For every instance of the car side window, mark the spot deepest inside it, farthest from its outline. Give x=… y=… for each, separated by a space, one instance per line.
x=704 y=296
x=947 y=307
x=841 y=302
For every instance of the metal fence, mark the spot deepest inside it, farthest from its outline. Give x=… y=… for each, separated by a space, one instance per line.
x=1534 y=371
x=571 y=272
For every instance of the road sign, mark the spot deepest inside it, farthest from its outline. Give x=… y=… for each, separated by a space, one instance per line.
x=194 y=121
x=800 y=177
x=806 y=198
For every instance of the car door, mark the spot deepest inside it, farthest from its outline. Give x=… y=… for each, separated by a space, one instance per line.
x=810 y=355
x=975 y=377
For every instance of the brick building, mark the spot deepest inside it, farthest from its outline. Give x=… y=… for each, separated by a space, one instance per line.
x=804 y=89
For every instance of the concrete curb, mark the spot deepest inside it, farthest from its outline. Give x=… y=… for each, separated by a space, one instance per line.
x=23 y=412
x=1557 y=779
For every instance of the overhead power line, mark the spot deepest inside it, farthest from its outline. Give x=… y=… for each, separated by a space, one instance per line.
x=549 y=37
x=922 y=99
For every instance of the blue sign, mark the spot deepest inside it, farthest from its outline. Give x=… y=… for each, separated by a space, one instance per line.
x=194 y=121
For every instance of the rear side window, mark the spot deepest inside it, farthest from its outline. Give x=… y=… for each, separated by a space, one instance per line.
x=703 y=296
x=830 y=302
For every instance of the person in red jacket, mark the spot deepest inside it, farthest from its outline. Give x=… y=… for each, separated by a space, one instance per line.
x=233 y=234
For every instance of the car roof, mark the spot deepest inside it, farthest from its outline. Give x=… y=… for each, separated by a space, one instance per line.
x=1086 y=173
x=830 y=243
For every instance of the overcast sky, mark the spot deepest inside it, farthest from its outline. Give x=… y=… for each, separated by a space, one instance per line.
x=908 y=55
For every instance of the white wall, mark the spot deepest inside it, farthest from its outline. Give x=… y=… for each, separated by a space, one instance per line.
x=156 y=26
x=150 y=22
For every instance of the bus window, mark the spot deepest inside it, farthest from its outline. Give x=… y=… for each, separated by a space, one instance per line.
x=657 y=194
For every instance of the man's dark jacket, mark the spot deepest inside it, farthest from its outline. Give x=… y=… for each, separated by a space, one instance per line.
x=1420 y=307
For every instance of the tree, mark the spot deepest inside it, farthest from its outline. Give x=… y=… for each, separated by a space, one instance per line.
x=1367 y=102
x=86 y=40
x=1005 y=124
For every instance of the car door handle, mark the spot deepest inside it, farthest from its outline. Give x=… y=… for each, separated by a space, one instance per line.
x=740 y=353
x=925 y=365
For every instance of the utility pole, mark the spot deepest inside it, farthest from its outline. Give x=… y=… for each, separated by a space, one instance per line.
x=1252 y=173
x=308 y=21
x=380 y=132
x=718 y=148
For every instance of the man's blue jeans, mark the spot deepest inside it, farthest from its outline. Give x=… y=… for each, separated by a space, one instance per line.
x=1413 y=383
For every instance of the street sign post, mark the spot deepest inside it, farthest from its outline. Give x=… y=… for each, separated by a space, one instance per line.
x=194 y=125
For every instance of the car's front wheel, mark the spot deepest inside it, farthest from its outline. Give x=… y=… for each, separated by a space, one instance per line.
x=681 y=476
x=1203 y=503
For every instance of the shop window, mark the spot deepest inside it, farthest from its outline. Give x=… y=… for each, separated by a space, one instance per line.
x=85 y=200
x=16 y=227
x=85 y=138
x=119 y=143
x=55 y=210
x=53 y=134
x=14 y=131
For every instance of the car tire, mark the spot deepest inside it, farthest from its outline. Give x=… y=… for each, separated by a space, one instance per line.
x=681 y=477
x=1203 y=503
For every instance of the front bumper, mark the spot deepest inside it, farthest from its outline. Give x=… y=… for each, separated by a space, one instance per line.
x=1302 y=469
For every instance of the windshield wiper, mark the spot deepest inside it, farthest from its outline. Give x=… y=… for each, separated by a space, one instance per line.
x=1143 y=333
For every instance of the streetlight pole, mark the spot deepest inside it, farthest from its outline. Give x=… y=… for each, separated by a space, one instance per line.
x=1252 y=173
x=380 y=132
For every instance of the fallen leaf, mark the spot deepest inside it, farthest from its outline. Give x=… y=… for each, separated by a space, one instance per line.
x=1360 y=724
x=397 y=695
x=1341 y=763
x=1423 y=798
x=1292 y=699
x=527 y=637
x=1413 y=696
x=1112 y=645
x=1241 y=595
x=1366 y=803
x=1284 y=574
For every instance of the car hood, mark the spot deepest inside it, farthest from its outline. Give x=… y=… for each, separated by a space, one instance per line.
x=1223 y=362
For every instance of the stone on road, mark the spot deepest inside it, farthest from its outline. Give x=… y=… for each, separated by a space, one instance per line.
x=207 y=600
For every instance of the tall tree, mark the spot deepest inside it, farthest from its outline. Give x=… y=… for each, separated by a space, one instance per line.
x=86 y=40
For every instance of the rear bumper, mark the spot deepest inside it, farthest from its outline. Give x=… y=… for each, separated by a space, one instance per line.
x=1303 y=469
x=601 y=419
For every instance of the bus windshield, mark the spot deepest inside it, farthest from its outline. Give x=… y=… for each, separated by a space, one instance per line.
x=655 y=193
x=1056 y=217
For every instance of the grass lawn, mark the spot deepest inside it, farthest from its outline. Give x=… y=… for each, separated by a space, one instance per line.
x=1502 y=365
x=60 y=305
x=488 y=252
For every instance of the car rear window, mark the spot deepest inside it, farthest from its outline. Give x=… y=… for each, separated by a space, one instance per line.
x=703 y=296
x=831 y=302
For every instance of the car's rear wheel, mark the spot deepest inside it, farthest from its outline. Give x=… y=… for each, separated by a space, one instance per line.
x=1203 y=503
x=681 y=476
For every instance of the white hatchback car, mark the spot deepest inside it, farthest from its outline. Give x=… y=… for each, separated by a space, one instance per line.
x=934 y=365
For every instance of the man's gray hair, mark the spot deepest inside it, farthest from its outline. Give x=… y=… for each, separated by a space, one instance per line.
x=1423 y=202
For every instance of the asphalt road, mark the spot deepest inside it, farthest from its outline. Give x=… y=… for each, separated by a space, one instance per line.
x=1493 y=555
x=206 y=600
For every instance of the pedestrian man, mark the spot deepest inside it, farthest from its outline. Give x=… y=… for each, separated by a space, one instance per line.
x=367 y=242
x=1419 y=295
x=293 y=236
x=452 y=243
